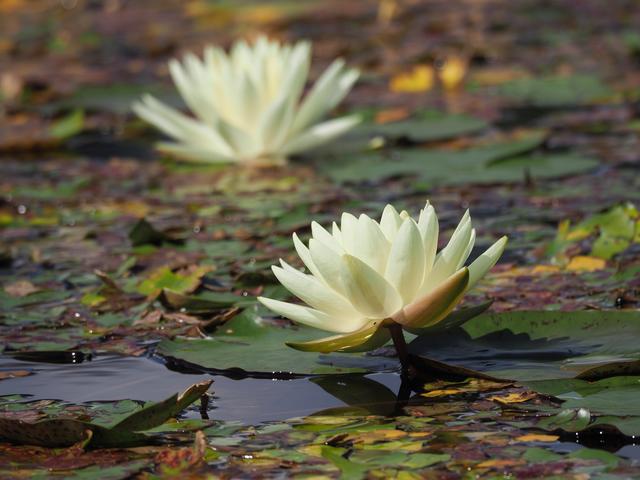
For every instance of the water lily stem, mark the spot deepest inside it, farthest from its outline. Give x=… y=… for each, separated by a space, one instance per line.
x=401 y=345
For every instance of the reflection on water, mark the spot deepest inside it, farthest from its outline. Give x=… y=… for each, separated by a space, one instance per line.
x=113 y=377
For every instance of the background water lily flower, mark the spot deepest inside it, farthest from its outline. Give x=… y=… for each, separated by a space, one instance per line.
x=248 y=104
x=365 y=275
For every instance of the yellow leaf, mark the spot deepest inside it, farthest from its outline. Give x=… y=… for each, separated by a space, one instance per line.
x=517 y=397
x=497 y=463
x=537 y=437
x=376 y=436
x=404 y=475
x=312 y=450
x=583 y=263
x=261 y=14
x=387 y=11
x=10 y=5
x=537 y=269
x=420 y=79
x=453 y=72
x=441 y=393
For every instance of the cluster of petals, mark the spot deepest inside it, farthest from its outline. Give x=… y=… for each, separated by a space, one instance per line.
x=364 y=272
x=249 y=105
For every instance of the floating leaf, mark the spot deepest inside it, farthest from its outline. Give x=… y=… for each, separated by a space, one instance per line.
x=165 y=278
x=556 y=91
x=569 y=420
x=68 y=126
x=495 y=163
x=538 y=345
x=206 y=301
x=614 y=230
x=249 y=345
x=424 y=127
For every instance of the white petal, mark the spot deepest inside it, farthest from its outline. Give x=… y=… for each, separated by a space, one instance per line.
x=245 y=147
x=428 y=226
x=181 y=127
x=313 y=292
x=275 y=122
x=191 y=93
x=390 y=222
x=329 y=265
x=319 y=233
x=486 y=261
x=367 y=290
x=319 y=134
x=349 y=230
x=317 y=103
x=312 y=318
x=467 y=252
x=305 y=256
x=298 y=71
x=373 y=246
x=405 y=267
x=447 y=260
x=337 y=234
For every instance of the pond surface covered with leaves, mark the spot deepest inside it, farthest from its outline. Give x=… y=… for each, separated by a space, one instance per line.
x=127 y=277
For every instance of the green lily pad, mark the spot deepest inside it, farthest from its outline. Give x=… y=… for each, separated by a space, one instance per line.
x=68 y=126
x=249 y=345
x=116 y=98
x=569 y=420
x=556 y=91
x=539 y=345
x=206 y=301
x=428 y=126
x=502 y=162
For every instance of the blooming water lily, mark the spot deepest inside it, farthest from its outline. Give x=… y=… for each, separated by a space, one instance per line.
x=366 y=275
x=248 y=104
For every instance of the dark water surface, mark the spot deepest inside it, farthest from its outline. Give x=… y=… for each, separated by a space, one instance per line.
x=112 y=377
x=249 y=400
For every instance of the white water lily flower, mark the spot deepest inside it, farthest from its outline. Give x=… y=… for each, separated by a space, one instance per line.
x=365 y=274
x=248 y=104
